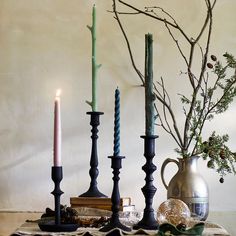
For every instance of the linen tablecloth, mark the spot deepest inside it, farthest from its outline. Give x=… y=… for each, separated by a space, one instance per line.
x=32 y=229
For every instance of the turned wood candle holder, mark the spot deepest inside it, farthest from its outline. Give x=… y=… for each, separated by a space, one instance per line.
x=148 y=221
x=115 y=197
x=56 y=225
x=93 y=172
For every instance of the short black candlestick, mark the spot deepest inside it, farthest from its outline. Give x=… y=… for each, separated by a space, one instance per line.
x=115 y=197
x=93 y=172
x=56 y=225
x=57 y=178
x=148 y=221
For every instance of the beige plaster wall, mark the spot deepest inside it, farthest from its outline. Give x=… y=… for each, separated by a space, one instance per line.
x=45 y=45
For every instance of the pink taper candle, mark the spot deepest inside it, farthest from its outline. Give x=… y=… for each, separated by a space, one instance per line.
x=57 y=131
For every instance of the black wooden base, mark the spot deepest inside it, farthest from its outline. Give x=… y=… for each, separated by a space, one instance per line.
x=93 y=192
x=112 y=225
x=52 y=227
x=149 y=224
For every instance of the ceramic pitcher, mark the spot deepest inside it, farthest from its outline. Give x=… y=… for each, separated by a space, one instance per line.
x=189 y=186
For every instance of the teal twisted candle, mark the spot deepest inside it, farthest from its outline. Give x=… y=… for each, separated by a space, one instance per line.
x=116 y=148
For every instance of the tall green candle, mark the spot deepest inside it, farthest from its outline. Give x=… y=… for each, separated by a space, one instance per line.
x=95 y=66
x=149 y=95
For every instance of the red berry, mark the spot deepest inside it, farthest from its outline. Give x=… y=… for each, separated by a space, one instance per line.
x=209 y=65
x=213 y=58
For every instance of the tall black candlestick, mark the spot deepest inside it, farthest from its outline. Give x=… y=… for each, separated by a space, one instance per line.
x=148 y=221
x=93 y=172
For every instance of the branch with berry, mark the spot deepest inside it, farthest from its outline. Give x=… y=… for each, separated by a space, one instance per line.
x=216 y=95
x=213 y=87
x=218 y=155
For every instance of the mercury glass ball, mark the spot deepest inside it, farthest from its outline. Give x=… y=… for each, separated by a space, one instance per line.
x=173 y=211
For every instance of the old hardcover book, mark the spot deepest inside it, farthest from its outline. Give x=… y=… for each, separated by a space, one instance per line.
x=93 y=201
x=107 y=207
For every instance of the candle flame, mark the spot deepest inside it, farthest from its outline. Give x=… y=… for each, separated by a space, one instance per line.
x=58 y=93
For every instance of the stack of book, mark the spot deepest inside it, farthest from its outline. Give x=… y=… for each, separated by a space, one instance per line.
x=101 y=203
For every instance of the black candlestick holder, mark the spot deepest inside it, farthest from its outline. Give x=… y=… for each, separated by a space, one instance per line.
x=148 y=221
x=56 y=225
x=93 y=172
x=115 y=197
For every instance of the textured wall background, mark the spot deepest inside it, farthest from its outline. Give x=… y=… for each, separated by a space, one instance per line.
x=45 y=45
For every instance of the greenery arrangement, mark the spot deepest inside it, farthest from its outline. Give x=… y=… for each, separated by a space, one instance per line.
x=213 y=87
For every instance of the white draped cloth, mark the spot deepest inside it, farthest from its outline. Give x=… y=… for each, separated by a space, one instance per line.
x=30 y=228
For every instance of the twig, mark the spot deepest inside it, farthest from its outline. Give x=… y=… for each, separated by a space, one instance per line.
x=195 y=91
x=128 y=44
x=157 y=18
x=171 y=115
x=180 y=50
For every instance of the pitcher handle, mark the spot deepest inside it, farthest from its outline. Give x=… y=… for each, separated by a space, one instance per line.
x=167 y=161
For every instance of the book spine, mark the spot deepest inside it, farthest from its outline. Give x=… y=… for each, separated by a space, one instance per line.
x=105 y=207
x=99 y=201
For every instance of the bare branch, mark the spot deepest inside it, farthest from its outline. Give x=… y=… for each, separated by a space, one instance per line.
x=177 y=44
x=165 y=12
x=165 y=93
x=157 y=18
x=128 y=44
x=195 y=91
x=124 y=13
x=200 y=105
x=165 y=128
x=171 y=115
x=164 y=107
x=209 y=14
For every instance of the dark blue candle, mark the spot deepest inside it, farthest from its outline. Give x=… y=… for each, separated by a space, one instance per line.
x=116 y=148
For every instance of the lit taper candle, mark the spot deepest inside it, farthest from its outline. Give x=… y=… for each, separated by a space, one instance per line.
x=57 y=130
x=116 y=149
x=149 y=95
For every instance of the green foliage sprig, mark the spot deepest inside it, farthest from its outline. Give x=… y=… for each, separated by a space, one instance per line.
x=218 y=154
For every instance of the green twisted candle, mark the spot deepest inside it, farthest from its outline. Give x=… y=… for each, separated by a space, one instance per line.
x=116 y=148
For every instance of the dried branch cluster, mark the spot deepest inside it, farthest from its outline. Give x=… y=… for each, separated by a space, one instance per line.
x=207 y=99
